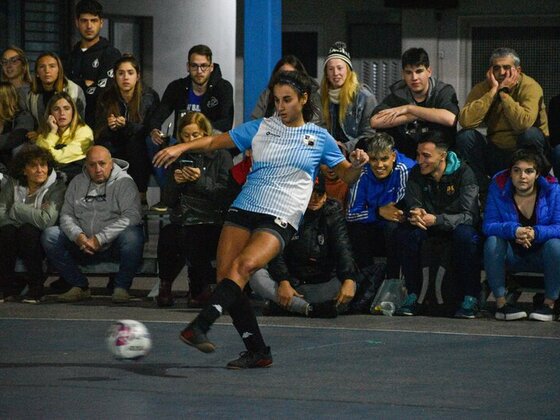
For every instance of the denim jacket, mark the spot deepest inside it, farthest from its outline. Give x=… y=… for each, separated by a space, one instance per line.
x=356 y=122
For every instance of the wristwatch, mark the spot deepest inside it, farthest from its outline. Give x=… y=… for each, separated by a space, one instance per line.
x=505 y=90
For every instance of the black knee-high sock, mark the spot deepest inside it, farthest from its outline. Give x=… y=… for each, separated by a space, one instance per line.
x=245 y=323
x=226 y=293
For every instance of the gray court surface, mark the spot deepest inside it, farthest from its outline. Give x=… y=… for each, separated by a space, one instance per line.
x=54 y=364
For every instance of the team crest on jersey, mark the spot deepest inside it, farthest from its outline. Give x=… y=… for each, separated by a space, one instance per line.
x=95 y=63
x=110 y=73
x=450 y=190
x=102 y=83
x=309 y=140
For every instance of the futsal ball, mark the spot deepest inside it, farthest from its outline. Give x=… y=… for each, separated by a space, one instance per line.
x=128 y=339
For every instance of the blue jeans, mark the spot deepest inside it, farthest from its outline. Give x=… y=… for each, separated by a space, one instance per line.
x=160 y=174
x=65 y=255
x=465 y=247
x=500 y=255
x=486 y=159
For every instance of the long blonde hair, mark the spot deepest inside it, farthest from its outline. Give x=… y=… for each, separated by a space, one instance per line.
x=44 y=128
x=9 y=101
x=348 y=93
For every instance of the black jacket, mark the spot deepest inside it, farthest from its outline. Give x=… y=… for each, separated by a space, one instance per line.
x=204 y=200
x=453 y=200
x=320 y=248
x=217 y=102
x=95 y=63
x=107 y=137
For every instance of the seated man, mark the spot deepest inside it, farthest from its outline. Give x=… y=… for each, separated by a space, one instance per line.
x=511 y=105
x=372 y=214
x=315 y=275
x=203 y=90
x=441 y=200
x=99 y=221
x=417 y=104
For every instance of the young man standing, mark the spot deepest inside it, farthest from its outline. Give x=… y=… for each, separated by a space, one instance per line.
x=90 y=63
x=203 y=90
x=417 y=104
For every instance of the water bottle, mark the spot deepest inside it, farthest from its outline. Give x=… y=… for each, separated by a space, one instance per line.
x=386 y=308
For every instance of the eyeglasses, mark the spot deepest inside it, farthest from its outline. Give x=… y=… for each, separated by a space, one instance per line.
x=202 y=67
x=98 y=198
x=13 y=60
x=92 y=198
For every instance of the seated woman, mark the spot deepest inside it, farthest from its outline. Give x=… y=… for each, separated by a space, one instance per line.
x=522 y=225
x=265 y=103
x=15 y=70
x=120 y=116
x=65 y=135
x=315 y=275
x=29 y=202
x=347 y=105
x=50 y=79
x=196 y=193
x=15 y=122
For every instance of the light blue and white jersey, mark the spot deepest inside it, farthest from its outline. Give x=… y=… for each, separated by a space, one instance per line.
x=285 y=164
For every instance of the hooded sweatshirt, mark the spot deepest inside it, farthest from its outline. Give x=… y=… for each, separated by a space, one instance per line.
x=105 y=219
x=453 y=199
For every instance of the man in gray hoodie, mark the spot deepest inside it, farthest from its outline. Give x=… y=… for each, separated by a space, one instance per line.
x=99 y=221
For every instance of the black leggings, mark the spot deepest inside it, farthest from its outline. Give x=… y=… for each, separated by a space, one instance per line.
x=195 y=243
x=21 y=242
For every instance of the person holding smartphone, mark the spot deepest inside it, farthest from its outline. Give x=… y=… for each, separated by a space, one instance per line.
x=196 y=193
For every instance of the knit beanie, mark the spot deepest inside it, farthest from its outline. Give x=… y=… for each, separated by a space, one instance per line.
x=338 y=50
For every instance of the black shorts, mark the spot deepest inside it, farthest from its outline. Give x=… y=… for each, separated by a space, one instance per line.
x=258 y=221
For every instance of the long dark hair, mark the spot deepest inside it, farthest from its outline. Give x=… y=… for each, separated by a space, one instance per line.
x=112 y=97
x=302 y=84
x=287 y=59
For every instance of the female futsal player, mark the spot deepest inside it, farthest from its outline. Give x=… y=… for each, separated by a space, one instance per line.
x=287 y=151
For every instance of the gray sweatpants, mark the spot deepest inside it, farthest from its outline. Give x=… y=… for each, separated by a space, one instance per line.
x=267 y=288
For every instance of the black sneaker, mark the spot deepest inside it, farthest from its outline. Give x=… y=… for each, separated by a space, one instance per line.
x=323 y=310
x=542 y=313
x=509 y=312
x=250 y=359
x=193 y=336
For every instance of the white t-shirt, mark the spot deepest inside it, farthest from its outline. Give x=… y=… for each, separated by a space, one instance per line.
x=285 y=164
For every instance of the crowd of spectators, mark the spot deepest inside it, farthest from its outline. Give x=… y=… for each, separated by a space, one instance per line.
x=78 y=139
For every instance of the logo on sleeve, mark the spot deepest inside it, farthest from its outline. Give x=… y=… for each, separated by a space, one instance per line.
x=309 y=140
x=110 y=73
x=91 y=90
x=102 y=83
x=95 y=63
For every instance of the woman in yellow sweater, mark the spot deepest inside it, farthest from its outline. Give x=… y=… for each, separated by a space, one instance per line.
x=65 y=135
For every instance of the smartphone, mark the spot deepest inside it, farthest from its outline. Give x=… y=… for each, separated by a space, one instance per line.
x=186 y=163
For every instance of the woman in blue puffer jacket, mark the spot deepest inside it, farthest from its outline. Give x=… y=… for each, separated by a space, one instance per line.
x=522 y=225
